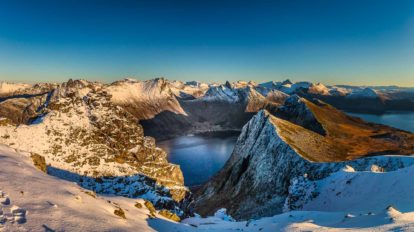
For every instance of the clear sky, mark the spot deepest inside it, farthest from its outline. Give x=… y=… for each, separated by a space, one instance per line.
x=332 y=41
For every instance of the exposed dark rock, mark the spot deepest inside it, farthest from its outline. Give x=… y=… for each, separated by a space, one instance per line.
x=169 y=215
x=39 y=162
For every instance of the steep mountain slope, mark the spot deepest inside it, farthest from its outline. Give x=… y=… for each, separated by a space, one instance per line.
x=86 y=138
x=271 y=152
x=346 y=137
x=21 y=103
x=144 y=99
x=347 y=200
x=31 y=200
x=22 y=109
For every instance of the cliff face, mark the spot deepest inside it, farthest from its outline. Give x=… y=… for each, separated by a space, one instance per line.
x=86 y=138
x=255 y=181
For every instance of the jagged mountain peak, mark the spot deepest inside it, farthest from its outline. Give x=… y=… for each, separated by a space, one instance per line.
x=221 y=93
x=228 y=85
x=286 y=82
x=92 y=137
x=269 y=156
x=79 y=88
x=243 y=84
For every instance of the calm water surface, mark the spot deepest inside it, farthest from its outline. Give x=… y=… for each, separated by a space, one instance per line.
x=401 y=120
x=199 y=156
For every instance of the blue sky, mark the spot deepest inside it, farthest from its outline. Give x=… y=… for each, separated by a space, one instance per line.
x=334 y=42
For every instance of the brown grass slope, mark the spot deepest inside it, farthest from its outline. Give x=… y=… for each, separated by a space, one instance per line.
x=346 y=138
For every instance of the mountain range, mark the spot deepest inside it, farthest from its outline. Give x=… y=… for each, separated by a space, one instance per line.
x=299 y=159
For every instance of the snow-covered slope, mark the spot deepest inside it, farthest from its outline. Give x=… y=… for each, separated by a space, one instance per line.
x=144 y=99
x=350 y=190
x=341 y=196
x=88 y=139
x=221 y=93
x=31 y=200
x=288 y=160
x=249 y=94
x=271 y=152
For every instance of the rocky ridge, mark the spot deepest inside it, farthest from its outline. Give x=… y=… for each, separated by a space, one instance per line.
x=272 y=154
x=85 y=137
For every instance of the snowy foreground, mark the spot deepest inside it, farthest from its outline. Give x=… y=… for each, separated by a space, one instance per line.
x=31 y=200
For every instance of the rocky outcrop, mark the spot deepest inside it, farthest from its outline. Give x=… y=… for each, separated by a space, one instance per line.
x=83 y=136
x=39 y=162
x=255 y=180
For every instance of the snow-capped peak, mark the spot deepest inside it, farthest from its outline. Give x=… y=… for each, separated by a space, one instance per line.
x=363 y=93
x=221 y=93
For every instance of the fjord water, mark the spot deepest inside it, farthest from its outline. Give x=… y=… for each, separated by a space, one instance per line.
x=400 y=120
x=199 y=156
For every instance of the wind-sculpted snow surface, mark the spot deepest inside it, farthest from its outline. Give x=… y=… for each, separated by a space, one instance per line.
x=255 y=181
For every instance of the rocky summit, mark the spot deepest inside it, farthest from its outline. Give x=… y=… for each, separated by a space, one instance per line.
x=301 y=139
x=86 y=138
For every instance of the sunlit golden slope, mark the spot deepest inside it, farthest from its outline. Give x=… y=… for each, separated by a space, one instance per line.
x=346 y=137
